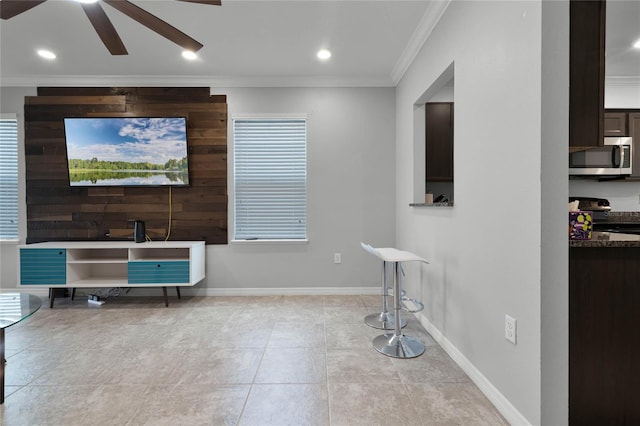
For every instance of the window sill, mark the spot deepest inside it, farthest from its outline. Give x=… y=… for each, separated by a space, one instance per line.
x=264 y=241
x=9 y=241
x=431 y=205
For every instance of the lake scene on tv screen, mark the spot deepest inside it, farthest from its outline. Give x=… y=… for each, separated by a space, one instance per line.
x=108 y=151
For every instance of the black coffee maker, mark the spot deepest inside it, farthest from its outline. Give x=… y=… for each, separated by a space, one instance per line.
x=139 y=231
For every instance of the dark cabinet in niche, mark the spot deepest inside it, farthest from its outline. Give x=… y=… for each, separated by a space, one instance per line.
x=439 y=141
x=615 y=124
x=586 y=73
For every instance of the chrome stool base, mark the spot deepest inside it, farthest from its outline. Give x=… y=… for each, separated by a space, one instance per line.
x=398 y=346
x=383 y=321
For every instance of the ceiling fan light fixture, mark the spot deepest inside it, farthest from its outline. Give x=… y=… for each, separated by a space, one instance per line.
x=189 y=55
x=323 y=54
x=47 y=54
x=87 y=1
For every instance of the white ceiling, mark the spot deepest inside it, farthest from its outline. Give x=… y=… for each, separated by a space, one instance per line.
x=251 y=43
x=623 y=29
x=245 y=42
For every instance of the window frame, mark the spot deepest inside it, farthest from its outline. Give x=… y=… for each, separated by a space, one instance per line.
x=14 y=237
x=232 y=178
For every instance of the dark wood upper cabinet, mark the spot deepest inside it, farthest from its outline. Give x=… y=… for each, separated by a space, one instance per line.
x=586 y=73
x=615 y=124
x=439 y=141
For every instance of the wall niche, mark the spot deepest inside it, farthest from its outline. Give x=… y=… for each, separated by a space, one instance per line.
x=58 y=212
x=433 y=143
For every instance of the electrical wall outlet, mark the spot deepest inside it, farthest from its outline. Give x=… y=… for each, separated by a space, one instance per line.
x=337 y=258
x=510 y=329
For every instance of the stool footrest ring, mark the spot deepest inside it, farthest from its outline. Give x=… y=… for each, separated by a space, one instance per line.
x=418 y=306
x=383 y=321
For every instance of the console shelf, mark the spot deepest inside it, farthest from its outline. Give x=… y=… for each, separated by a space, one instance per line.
x=93 y=264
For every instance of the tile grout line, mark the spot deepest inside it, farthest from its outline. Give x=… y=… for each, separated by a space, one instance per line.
x=255 y=375
x=326 y=359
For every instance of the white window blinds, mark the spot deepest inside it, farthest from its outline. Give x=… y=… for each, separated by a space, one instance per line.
x=270 y=178
x=8 y=177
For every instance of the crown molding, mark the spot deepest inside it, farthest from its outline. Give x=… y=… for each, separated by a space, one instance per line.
x=192 y=81
x=622 y=81
x=431 y=16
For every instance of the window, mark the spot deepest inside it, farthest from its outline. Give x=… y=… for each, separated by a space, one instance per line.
x=8 y=177
x=270 y=178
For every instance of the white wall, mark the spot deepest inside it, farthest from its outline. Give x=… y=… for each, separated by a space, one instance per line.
x=554 y=291
x=351 y=186
x=621 y=92
x=486 y=250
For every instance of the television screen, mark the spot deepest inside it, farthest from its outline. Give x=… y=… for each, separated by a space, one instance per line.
x=132 y=151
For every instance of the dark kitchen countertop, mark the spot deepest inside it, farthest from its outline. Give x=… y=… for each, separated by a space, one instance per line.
x=621 y=217
x=612 y=239
x=608 y=239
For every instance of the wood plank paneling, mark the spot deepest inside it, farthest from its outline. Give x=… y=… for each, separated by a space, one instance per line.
x=57 y=212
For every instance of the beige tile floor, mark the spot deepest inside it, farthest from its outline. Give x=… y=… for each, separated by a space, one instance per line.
x=277 y=360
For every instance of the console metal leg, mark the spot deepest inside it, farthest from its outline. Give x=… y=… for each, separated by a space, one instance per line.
x=52 y=296
x=383 y=320
x=178 y=291
x=166 y=298
x=396 y=344
x=2 y=362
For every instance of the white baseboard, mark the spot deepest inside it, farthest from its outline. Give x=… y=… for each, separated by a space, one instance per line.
x=502 y=404
x=294 y=291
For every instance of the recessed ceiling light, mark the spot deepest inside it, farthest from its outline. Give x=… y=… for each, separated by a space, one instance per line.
x=323 y=54
x=187 y=54
x=47 y=54
x=86 y=1
x=637 y=44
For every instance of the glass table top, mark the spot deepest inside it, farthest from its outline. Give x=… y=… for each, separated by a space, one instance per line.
x=14 y=307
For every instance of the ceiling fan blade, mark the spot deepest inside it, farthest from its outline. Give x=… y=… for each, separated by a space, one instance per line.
x=11 y=8
x=211 y=2
x=155 y=24
x=104 y=28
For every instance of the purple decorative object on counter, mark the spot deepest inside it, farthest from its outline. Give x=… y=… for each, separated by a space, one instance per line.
x=580 y=225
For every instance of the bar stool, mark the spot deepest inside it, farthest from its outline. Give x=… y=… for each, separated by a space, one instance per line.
x=396 y=344
x=383 y=320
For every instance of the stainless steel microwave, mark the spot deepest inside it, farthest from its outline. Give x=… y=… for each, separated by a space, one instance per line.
x=612 y=159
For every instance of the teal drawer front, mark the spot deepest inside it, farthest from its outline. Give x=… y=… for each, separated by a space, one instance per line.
x=158 y=272
x=43 y=266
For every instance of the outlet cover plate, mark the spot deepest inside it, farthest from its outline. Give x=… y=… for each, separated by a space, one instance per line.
x=510 y=329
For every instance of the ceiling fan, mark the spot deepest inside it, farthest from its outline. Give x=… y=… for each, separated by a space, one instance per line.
x=104 y=27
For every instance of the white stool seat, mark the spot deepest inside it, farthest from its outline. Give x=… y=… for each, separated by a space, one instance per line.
x=389 y=254
x=395 y=255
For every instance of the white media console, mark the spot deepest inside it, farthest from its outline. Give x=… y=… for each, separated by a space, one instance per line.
x=94 y=264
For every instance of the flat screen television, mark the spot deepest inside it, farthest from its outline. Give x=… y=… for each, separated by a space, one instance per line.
x=127 y=151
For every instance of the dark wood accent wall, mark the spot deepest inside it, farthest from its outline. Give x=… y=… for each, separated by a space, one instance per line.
x=58 y=212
